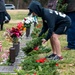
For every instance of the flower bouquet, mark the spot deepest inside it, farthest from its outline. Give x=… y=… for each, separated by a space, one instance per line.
x=20 y=26
x=28 y=21
x=13 y=34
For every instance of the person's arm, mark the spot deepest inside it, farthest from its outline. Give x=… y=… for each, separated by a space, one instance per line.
x=44 y=28
x=50 y=31
x=51 y=25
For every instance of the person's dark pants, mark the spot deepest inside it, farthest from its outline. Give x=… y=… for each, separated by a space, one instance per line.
x=2 y=17
x=71 y=31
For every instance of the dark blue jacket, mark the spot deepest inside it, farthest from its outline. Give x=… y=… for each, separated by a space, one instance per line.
x=50 y=18
x=2 y=6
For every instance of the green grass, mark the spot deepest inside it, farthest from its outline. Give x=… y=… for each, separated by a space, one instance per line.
x=7 y=74
x=66 y=66
x=17 y=15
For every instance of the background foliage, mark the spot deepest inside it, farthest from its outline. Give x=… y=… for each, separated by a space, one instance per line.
x=23 y=4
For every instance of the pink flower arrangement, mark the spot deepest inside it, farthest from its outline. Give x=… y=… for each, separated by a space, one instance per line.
x=13 y=34
x=5 y=55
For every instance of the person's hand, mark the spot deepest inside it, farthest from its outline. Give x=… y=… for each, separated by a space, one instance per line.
x=43 y=41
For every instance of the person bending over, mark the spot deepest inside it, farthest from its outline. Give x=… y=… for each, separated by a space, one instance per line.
x=56 y=23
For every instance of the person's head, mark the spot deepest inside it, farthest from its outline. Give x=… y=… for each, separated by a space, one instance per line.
x=33 y=13
x=35 y=8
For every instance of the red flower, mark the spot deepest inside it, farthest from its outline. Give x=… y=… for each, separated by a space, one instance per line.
x=14 y=32
x=25 y=19
x=34 y=73
x=36 y=48
x=37 y=61
x=20 y=26
x=41 y=60
x=57 y=64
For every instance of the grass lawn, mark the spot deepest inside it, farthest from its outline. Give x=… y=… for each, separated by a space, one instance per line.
x=66 y=66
